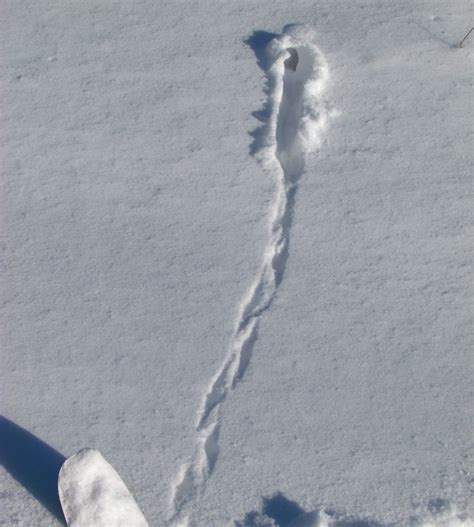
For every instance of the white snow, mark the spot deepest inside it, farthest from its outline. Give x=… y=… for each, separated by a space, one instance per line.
x=322 y=519
x=247 y=285
x=92 y=493
x=297 y=117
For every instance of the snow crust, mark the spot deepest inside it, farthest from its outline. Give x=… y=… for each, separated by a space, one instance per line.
x=93 y=494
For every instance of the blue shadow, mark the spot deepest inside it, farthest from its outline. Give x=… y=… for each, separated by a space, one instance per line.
x=280 y=509
x=33 y=463
x=258 y=42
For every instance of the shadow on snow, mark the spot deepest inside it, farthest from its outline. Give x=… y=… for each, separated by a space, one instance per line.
x=33 y=463
x=279 y=511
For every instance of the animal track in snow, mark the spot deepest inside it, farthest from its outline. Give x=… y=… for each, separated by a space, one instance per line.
x=296 y=74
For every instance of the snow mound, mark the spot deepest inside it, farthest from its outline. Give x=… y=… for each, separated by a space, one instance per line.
x=297 y=78
x=93 y=494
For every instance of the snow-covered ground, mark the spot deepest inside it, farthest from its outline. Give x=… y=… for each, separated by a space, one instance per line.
x=249 y=327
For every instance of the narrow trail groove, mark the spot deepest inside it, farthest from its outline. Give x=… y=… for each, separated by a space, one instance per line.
x=296 y=115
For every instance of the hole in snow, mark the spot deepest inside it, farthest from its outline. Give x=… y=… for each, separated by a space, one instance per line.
x=292 y=61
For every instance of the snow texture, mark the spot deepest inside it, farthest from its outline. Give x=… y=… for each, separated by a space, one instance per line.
x=279 y=511
x=92 y=494
x=323 y=519
x=296 y=120
x=236 y=258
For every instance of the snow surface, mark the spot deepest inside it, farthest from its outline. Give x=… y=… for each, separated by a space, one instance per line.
x=92 y=493
x=321 y=519
x=138 y=204
x=296 y=115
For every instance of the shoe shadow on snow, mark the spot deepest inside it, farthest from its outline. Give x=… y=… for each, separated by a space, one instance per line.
x=33 y=463
x=279 y=511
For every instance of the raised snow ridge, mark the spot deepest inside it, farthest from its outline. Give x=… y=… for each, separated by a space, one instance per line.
x=296 y=78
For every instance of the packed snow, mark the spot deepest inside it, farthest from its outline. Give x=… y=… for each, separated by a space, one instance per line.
x=92 y=493
x=236 y=261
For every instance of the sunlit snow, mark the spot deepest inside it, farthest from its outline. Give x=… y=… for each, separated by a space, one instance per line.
x=236 y=262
